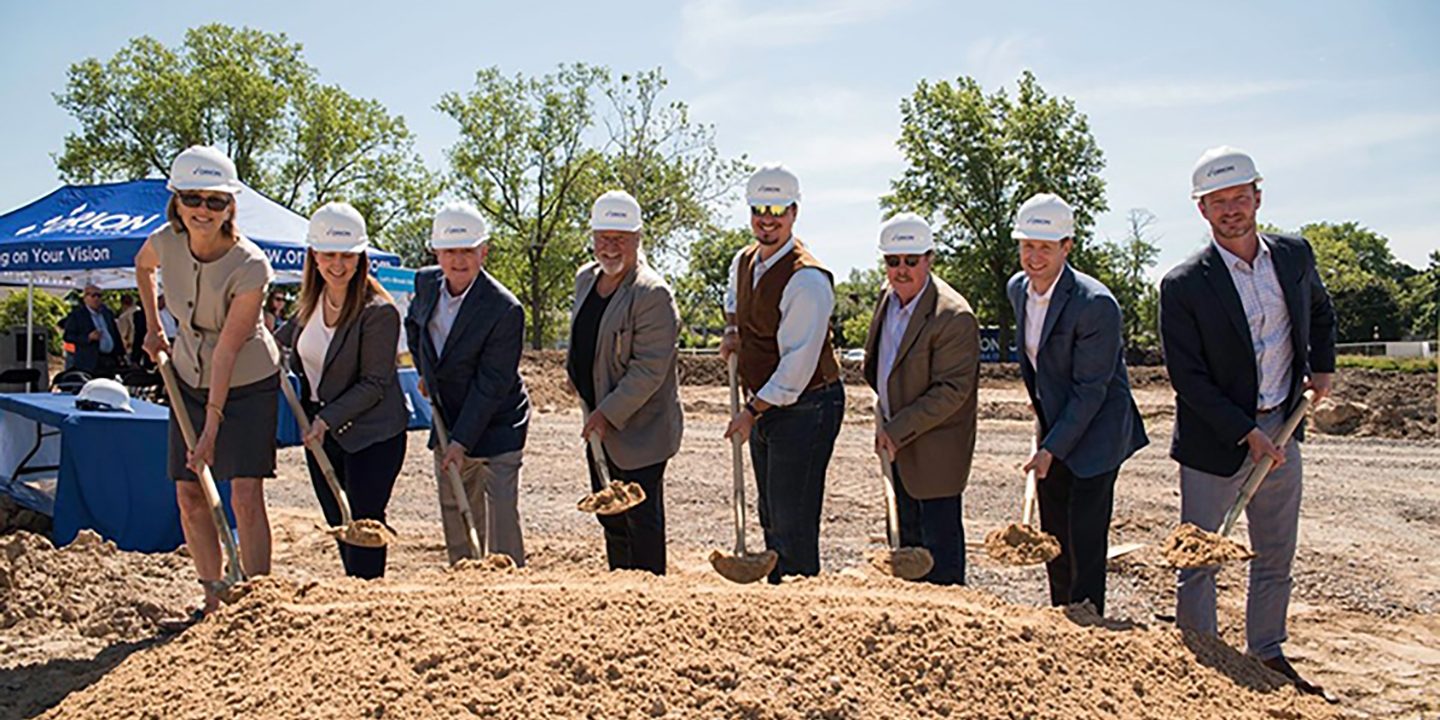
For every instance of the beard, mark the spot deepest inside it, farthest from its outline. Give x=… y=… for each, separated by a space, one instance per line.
x=611 y=266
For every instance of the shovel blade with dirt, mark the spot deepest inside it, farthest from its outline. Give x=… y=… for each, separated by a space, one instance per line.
x=229 y=587
x=360 y=533
x=742 y=566
x=1022 y=543
x=1191 y=547
x=906 y=563
x=614 y=496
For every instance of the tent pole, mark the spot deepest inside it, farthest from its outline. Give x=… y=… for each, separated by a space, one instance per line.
x=30 y=327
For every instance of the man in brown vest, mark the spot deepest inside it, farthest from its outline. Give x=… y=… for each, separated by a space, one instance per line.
x=777 y=310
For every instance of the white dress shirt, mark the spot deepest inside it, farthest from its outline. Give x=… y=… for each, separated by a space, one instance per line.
x=1269 y=321
x=1036 y=306
x=312 y=346
x=892 y=331
x=805 y=308
x=447 y=308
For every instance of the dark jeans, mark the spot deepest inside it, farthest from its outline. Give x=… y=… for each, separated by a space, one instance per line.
x=936 y=525
x=368 y=476
x=1077 y=511
x=790 y=447
x=635 y=539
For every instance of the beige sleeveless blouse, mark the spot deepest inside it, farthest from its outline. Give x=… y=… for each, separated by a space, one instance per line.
x=199 y=294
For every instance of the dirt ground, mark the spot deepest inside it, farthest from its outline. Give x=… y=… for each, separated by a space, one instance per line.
x=565 y=638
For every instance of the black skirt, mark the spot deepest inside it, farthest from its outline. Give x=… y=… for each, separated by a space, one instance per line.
x=245 y=447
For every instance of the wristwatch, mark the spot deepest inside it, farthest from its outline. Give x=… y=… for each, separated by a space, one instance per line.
x=750 y=408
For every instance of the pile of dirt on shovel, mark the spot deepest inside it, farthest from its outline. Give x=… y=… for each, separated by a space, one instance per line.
x=85 y=596
x=565 y=643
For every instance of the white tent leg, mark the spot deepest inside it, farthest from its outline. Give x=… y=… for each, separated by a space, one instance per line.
x=30 y=327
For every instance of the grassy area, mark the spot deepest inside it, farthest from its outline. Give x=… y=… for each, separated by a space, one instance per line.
x=1406 y=365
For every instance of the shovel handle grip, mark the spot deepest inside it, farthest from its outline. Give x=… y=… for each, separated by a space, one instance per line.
x=737 y=457
x=316 y=449
x=1263 y=468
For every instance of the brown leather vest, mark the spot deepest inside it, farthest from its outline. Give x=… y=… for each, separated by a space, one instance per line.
x=757 y=313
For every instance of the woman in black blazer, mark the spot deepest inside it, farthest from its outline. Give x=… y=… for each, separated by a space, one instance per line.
x=342 y=343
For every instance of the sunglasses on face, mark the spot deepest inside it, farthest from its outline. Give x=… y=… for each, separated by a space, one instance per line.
x=769 y=210
x=910 y=260
x=213 y=202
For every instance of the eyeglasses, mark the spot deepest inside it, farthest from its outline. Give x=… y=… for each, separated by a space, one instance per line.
x=212 y=202
x=770 y=210
x=910 y=260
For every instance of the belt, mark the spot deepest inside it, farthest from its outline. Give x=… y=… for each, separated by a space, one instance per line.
x=1267 y=411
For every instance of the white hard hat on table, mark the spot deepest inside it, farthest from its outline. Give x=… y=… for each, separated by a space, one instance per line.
x=103 y=394
x=458 y=226
x=1222 y=167
x=201 y=168
x=337 y=227
x=906 y=234
x=773 y=185
x=1044 y=217
x=616 y=210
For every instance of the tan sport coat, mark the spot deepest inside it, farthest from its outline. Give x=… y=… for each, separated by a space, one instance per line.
x=635 y=375
x=932 y=390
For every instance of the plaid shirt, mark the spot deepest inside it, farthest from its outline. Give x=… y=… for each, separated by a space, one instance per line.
x=1269 y=322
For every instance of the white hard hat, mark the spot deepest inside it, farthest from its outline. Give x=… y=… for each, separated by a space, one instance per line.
x=906 y=234
x=458 y=226
x=773 y=185
x=202 y=168
x=615 y=210
x=1222 y=167
x=337 y=227
x=103 y=394
x=1044 y=217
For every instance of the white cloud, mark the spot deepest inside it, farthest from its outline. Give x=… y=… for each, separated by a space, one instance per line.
x=997 y=62
x=1179 y=94
x=712 y=31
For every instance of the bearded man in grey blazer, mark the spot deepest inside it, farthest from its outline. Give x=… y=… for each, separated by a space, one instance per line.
x=623 y=331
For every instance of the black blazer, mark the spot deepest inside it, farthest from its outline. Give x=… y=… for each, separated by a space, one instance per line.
x=475 y=383
x=1210 y=357
x=78 y=327
x=360 y=395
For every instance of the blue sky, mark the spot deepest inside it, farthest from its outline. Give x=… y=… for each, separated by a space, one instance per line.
x=1339 y=102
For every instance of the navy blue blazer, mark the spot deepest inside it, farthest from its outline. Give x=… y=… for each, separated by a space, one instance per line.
x=1210 y=357
x=1088 y=420
x=475 y=383
x=79 y=325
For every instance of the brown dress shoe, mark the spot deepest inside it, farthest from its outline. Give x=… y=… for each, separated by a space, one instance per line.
x=1280 y=665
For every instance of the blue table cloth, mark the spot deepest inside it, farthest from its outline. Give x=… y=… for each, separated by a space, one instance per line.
x=112 y=476
x=287 y=432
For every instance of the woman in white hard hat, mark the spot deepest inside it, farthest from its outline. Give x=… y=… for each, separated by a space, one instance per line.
x=342 y=344
x=215 y=282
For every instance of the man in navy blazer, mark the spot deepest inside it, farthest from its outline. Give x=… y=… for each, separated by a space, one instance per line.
x=466 y=332
x=1247 y=326
x=91 y=328
x=1069 y=331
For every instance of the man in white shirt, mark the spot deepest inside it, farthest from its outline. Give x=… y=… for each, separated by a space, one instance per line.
x=466 y=332
x=777 y=312
x=1073 y=364
x=922 y=357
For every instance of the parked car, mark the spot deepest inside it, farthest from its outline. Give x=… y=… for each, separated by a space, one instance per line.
x=855 y=354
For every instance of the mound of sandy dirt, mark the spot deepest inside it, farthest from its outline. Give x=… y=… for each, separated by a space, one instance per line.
x=87 y=594
x=1017 y=544
x=528 y=644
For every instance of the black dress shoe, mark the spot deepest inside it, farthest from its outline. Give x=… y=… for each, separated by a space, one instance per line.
x=1280 y=665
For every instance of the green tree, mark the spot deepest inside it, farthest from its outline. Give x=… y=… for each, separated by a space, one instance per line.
x=1124 y=267
x=973 y=158
x=1356 y=265
x=523 y=160
x=666 y=160
x=700 y=290
x=49 y=312
x=855 y=299
x=1420 y=299
x=251 y=94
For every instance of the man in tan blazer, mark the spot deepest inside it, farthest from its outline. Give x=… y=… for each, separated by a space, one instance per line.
x=922 y=357
x=623 y=331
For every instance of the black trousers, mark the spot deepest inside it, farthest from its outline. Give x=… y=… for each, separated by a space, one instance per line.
x=1077 y=512
x=368 y=477
x=634 y=539
x=937 y=525
x=790 y=449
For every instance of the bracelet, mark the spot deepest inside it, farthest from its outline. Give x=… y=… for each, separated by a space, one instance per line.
x=750 y=408
x=217 y=409
x=732 y=329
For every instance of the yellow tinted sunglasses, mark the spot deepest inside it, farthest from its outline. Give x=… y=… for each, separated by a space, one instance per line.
x=771 y=210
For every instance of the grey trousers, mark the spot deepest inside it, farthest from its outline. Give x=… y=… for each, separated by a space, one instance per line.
x=1273 y=517
x=492 y=486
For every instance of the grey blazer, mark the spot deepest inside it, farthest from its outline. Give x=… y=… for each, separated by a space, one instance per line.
x=635 y=358
x=360 y=395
